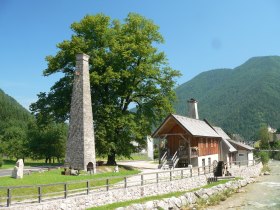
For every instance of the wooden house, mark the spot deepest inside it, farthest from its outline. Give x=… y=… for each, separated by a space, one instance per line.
x=186 y=141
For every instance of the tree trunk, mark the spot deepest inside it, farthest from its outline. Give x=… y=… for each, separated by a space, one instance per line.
x=112 y=159
x=46 y=160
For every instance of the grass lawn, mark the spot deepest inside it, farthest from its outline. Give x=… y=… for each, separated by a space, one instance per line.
x=150 y=198
x=54 y=176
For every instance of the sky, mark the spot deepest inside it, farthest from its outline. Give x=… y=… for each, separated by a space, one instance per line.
x=199 y=35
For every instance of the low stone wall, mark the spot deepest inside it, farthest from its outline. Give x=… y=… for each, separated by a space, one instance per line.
x=134 y=192
x=246 y=171
x=118 y=195
x=190 y=198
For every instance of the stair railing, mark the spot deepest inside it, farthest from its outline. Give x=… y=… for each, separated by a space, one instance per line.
x=175 y=159
x=163 y=160
x=164 y=157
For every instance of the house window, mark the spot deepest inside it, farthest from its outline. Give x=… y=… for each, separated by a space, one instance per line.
x=203 y=162
x=240 y=155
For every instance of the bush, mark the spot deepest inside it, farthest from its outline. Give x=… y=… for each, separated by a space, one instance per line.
x=264 y=157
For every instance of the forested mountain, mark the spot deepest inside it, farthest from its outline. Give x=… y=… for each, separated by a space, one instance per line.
x=239 y=100
x=10 y=109
x=13 y=127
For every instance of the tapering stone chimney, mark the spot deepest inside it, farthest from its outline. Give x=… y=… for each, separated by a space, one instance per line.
x=192 y=107
x=80 y=146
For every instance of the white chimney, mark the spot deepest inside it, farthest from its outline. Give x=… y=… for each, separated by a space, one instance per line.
x=192 y=106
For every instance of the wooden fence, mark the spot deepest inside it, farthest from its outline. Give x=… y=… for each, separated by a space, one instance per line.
x=39 y=193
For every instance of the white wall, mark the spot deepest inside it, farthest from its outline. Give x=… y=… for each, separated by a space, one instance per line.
x=250 y=156
x=241 y=155
x=150 y=147
x=213 y=157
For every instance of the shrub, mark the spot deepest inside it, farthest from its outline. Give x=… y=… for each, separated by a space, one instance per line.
x=264 y=157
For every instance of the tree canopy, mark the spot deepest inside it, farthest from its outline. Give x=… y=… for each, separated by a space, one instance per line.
x=126 y=70
x=264 y=137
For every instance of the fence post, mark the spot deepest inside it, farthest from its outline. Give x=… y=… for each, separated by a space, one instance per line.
x=8 y=197
x=39 y=194
x=125 y=182
x=65 y=190
x=182 y=174
x=191 y=172
x=142 y=180
x=157 y=176
x=170 y=175
x=87 y=187
x=107 y=184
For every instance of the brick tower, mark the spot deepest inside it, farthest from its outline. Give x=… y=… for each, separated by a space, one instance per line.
x=80 y=146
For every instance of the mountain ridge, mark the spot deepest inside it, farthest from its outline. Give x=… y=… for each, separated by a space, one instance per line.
x=240 y=99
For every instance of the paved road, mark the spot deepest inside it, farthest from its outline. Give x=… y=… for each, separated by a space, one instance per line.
x=8 y=172
x=141 y=164
x=5 y=172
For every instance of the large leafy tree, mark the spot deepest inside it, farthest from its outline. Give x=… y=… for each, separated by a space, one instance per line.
x=126 y=70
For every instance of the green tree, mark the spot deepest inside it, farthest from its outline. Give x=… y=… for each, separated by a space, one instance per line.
x=13 y=139
x=47 y=141
x=264 y=137
x=264 y=157
x=126 y=70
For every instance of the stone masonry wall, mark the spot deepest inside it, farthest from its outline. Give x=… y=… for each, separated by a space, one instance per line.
x=135 y=192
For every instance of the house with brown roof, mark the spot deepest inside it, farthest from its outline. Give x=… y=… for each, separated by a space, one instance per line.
x=187 y=141
x=190 y=141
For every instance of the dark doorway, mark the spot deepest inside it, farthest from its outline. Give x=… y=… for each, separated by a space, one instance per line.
x=90 y=166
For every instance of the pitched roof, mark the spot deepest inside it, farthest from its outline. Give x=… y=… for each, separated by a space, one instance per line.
x=221 y=132
x=225 y=138
x=247 y=147
x=194 y=126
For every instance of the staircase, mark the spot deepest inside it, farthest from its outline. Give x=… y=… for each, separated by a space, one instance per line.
x=169 y=163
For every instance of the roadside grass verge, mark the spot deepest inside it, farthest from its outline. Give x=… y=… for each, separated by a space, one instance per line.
x=157 y=197
x=9 y=164
x=56 y=182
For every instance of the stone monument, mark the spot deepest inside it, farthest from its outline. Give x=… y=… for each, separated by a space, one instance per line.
x=80 y=146
x=17 y=173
